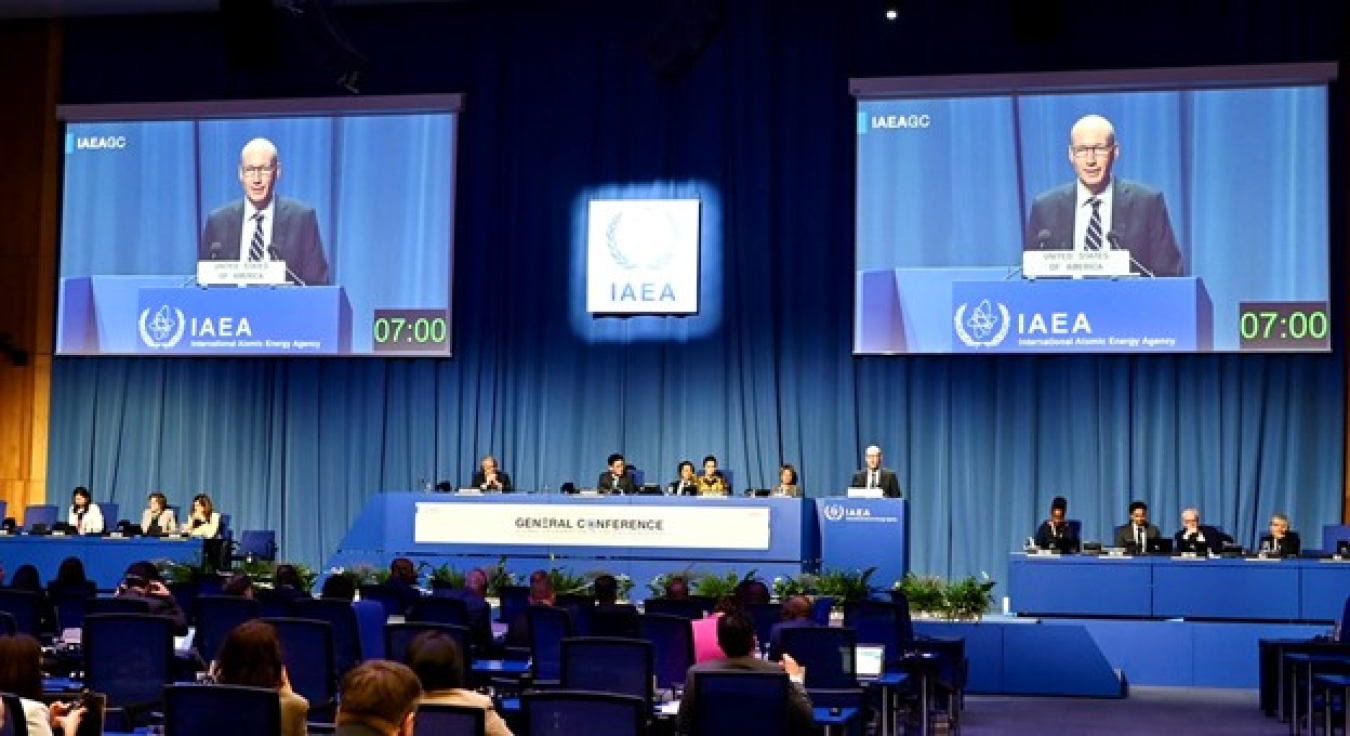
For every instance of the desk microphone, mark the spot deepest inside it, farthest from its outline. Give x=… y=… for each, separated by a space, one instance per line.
x=1113 y=241
x=276 y=256
x=1042 y=239
x=215 y=251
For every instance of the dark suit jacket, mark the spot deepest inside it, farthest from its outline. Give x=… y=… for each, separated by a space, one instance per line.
x=1214 y=539
x=1125 y=534
x=1065 y=541
x=890 y=484
x=776 y=634
x=1139 y=220
x=800 y=718
x=1290 y=546
x=625 y=485
x=504 y=478
x=689 y=490
x=295 y=236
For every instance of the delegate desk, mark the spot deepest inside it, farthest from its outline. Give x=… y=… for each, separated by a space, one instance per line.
x=104 y=558
x=1163 y=588
x=640 y=536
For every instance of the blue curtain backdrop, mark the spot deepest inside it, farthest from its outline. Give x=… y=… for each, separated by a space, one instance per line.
x=563 y=101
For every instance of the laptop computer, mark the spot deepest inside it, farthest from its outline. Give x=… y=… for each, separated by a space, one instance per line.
x=1159 y=546
x=869 y=661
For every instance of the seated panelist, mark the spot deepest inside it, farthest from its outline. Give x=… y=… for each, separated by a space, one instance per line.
x=1134 y=536
x=1281 y=542
x=85 y=515
x=712 y=482
x=1196 y=537
x=490 y=478
x=687 y=483
x=788 y=484
x=157 y=519
x=1055 y=532
x=617 y=479
x=204 y=521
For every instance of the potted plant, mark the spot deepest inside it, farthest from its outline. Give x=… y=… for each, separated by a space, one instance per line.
x=926 y=594
x=801 y=584
x=969 y=598
x=446 y=577
x=846 y=586
x=714 y=586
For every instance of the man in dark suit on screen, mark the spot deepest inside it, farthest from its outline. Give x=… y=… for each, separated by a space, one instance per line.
x=264 y=226
x=1102 y=212
x=873 y=475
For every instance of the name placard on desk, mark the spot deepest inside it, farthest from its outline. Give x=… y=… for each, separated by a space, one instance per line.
x=736 y=527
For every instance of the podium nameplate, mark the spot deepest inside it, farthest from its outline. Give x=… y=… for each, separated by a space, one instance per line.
x=241 y=273
x=1075 y=263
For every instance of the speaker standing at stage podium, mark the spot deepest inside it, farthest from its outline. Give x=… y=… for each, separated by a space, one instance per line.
x=264 y=226
x=1101 y=212
x=873 y=475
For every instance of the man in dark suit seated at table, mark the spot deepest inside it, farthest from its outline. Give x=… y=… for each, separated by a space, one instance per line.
x=1055 y=532
x=874 y=475
x=736 y=637
x=796 y=615
x=1196 y=537
x=490 y=478
x=1134 y=536
x=617 y=479
x=1281 y=542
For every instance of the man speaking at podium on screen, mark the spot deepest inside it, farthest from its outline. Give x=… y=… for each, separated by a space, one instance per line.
x=1101 y=212
x=263 y=226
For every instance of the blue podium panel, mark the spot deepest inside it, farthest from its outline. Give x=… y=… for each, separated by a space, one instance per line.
x=633 y=535
x=1080 y=586
x=1323 y=588
x=1082 y=316
x=858 y=533
x=160 y=315
x=104 y=558
x=1251 y=590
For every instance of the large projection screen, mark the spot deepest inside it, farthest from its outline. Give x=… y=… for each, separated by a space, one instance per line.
x=163 y=252
x=1210 y=188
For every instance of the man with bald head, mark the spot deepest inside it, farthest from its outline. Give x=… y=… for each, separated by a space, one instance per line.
x=264 y=226
x=1099 y=211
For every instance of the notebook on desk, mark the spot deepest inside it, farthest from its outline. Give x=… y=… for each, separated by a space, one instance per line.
x=869 y=661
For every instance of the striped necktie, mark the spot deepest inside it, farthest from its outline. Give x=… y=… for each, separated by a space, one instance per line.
x=1093 y=240
x=255 y=246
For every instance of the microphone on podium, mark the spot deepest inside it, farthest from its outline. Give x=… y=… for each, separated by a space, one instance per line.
x=1113 y=242
x=276 y=256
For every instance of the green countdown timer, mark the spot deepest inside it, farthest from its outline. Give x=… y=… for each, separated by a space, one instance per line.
x=1284 y=326
x=411 y=331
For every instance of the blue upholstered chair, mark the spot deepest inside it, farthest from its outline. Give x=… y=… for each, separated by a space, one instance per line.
x=741 y=703
x=435 y=719
x=573 y=712
x=608 y=664
x=672 y=639
x=221 y=710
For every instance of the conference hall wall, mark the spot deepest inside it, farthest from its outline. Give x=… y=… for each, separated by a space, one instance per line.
x=560 y=100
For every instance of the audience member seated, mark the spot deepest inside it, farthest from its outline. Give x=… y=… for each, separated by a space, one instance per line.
x=440 y=666
x=1281 y=542
x=474 y=595
x=606 y=588
x=142 y=581
x=752 y=591
x=204 y=521
x=340 y=587
x=251 y=655
x=541 y=594
x=1196 y=537
x=677 y=587
x=1055 y=533
x=796 y=615
x=705 y=630
x=736 y=637
x=1134 y=536
x=378 y=698
x=238 y=585
x=157 y=519
x=403 y=581
x=85 y=515
x=70 y=576
x=26 y=578
x=21 y=675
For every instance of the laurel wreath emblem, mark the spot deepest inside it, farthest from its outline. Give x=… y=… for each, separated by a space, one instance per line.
x=959 y=322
